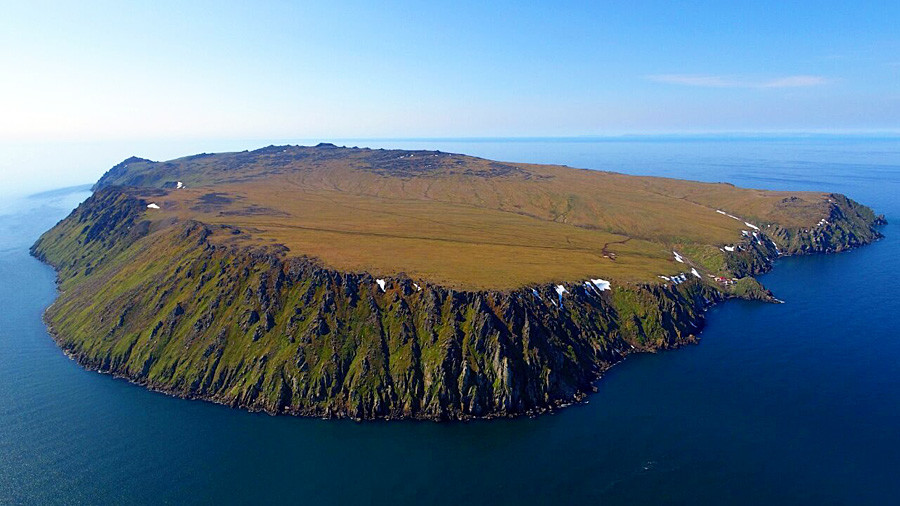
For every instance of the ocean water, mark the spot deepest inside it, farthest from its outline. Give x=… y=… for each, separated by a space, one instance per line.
x=795 y=403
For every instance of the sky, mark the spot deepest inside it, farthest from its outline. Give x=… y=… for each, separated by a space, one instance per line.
x=103 y=70
x=95 y=73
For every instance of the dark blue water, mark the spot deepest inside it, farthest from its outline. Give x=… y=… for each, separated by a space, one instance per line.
x=794 y=404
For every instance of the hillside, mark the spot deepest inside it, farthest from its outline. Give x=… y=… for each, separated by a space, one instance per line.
x=374 y=283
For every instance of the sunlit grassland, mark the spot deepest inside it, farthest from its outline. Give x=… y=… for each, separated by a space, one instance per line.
x=459 y=221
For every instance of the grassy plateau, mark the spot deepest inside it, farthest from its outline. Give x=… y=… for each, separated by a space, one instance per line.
x=345 y=282
x=466 y=222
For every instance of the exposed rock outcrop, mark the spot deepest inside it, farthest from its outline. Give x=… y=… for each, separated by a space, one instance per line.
x=255 y=328
x=178 y=307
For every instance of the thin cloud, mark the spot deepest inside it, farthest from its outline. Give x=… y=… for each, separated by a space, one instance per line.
x=793 y=82
x=708 y=81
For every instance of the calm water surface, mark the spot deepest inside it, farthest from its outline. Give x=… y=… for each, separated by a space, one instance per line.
x=795 y=403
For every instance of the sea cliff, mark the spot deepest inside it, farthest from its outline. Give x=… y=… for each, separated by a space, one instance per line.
x=181 y=309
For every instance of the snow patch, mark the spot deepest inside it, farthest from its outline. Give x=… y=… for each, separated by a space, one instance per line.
x=152 y=205
x=418 y=288
x=678 y=257
x=680 y=278
x=380 y=284
x=729 y=248
x=733 y=217
x=754 y=227
x=179 y=185
x=695 y=273
x=601 y=284
x=560 y=289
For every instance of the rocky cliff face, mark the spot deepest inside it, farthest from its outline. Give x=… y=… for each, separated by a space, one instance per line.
x=848 y=225
x=177 y=308
x=254 y=328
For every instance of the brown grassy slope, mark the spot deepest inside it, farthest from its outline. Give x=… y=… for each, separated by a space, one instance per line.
x=461 y=221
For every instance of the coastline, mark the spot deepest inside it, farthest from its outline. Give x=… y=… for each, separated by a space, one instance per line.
x=579 y=396
x=175 y=299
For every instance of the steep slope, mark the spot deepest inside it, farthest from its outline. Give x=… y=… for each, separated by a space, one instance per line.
x=250 y=281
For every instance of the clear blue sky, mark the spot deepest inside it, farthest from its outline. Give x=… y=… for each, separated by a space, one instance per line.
x=112 y=70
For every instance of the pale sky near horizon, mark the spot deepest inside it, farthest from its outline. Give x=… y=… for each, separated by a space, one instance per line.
x=138 y=70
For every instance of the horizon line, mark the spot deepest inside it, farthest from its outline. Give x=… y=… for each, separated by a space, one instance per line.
x=712 y=134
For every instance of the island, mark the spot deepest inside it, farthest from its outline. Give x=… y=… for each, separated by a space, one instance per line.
x=385 y=284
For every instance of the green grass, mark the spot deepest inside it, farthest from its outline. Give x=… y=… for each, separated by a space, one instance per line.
x=454 y=222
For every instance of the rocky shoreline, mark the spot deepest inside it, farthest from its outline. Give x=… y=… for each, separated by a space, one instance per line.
x=181 y=312
x=578 y=397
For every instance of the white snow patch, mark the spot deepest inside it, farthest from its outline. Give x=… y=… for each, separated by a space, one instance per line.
x=681 y=278
x=152 y=205
x=418 y=288
x=535 y=292
x=695 y=273
x=733 y=217
x=754 y=227
x=601 y=284
x=664 y=277
x=380 y=284
x=678 y=257
x=729 y=248
x=560 y=289
x=179 y=185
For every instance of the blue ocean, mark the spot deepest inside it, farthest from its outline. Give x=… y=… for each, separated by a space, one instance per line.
x=794 y=403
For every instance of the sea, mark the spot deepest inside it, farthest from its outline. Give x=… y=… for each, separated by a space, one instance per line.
x=794 y=403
